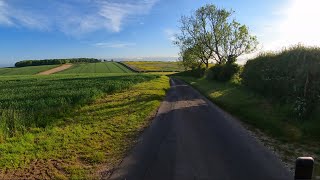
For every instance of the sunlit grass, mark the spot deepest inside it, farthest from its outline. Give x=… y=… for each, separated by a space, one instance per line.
x=36 y=101
x=93 y=137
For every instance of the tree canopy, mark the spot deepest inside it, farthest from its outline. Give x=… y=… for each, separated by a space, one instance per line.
x=210 y=33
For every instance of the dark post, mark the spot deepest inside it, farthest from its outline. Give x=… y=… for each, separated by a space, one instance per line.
x=304 y=168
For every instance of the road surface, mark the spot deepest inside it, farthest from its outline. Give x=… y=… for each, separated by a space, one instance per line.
x=191 y=138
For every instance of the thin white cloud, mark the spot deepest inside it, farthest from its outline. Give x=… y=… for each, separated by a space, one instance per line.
x=114 y=44
x=4 y=19
x=74 y=17
x=116 y=13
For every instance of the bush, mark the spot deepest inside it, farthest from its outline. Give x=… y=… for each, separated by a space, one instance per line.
x=223 y=72
x=292 y=75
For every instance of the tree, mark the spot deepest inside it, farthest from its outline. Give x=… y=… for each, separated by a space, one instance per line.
x=189 y=60
x=212 y=35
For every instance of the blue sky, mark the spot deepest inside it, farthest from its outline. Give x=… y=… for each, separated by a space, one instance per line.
x=38 y=29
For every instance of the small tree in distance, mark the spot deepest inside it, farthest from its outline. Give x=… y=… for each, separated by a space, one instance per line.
x=211 y=35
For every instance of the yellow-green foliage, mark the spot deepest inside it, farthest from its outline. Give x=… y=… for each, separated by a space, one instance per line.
x=154 y=65
x=96 y=135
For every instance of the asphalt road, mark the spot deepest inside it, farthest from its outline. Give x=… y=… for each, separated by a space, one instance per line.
x=191 y=138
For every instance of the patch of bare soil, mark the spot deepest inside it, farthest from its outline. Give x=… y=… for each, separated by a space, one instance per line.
x=39 y=169
x=55 y=70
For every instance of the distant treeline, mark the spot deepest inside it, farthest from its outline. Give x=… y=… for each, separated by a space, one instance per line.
x=55 y=61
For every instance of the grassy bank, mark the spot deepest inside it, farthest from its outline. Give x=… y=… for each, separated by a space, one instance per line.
x=87 y=141
x=265 y=114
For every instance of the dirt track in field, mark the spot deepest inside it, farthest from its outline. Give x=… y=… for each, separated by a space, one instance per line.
x=55 y=70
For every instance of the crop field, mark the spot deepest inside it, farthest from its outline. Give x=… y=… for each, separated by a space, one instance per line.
x=30 y=102
x=30 y=70
x=70 y=126
x=154 y=66
x=103 y=67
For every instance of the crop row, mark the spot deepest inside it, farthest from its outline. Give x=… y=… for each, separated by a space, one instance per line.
x=35 y=102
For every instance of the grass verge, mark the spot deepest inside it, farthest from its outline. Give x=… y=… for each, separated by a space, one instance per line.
x=293 y=138
x=89 y=141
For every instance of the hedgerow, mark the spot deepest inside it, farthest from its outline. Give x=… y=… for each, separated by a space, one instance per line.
x=292 y=75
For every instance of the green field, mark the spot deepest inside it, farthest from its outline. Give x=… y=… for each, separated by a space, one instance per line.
x=154 y=66
x=70 y=126
x=30 y=70
x=31 y=102
x=103 y=67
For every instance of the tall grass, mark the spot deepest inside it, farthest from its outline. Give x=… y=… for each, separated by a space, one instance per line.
x=291 y=75
x=36 y=102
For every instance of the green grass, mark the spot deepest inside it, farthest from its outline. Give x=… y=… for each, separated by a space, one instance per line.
x=36 y=101
x=248 y=106
x=154 y=66
x=272 y=117
x=30 y=70
x=90 y=138
x=275 y=118
x=103 y=67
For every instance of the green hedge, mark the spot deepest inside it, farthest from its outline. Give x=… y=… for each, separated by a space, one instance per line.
x=55 y=61
x=291 y=75
x=223 y=72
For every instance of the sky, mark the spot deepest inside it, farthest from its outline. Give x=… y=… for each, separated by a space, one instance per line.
x=43 y=29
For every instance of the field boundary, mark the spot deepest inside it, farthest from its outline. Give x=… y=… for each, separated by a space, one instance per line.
x=142 y=71
x=56 y=69
x=129 y=67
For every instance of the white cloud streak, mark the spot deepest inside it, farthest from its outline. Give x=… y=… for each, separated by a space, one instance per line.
x=73 y=17
x=4 y=17
x=114 y=44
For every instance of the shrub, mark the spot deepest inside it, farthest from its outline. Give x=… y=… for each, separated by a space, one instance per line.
x=292 y=75
x=223 y=72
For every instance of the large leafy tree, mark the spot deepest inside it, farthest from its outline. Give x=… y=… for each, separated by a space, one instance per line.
x=213 y=35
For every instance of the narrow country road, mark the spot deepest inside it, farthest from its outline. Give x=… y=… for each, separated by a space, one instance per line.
x=191 y=138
